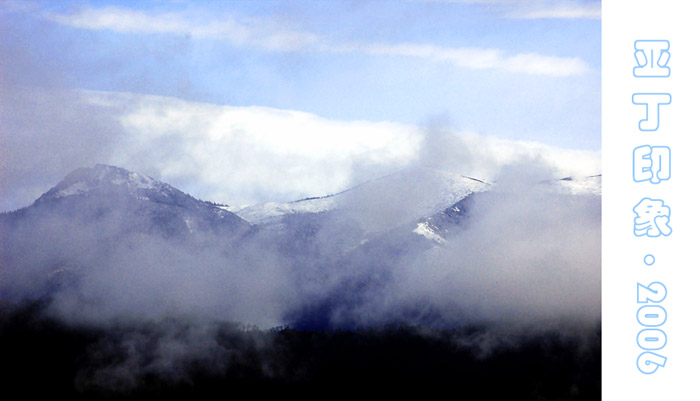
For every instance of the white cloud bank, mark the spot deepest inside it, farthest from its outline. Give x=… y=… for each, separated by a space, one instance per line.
x=238 y=155
x=243 y=155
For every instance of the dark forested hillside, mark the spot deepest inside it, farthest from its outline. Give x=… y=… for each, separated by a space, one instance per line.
x=184 y=359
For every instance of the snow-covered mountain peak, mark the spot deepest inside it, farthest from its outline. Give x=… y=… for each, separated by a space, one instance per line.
x=103 y=177
x=406 y=195
x=133 y=202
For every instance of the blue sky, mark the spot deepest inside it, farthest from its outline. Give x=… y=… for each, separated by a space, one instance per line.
x=514 y=70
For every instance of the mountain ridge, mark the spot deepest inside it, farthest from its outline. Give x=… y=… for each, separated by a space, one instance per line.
x=133 y=201
x=105 y=228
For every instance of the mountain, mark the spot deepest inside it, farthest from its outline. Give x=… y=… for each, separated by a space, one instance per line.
x=133 y=203
x=156 y=281
x=105 y=218
x=439 y=226
x=110 y=242
x=354 y=226
x=363 y=236
x=589 y=185
x=381 y=203
x=424 y=201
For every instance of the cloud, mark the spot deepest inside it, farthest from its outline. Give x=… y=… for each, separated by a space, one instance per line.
x=242 y=155
x=44 y=134
x=250 y=154
x=523 y=254
x=238 y=155
x=264 y=34
x=476 y=58
x=256 y=33
x=567 y=10
x=538 y=9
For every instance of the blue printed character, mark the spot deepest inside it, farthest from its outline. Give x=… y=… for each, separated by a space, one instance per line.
x=653 y=218
x=652 y=58
x=651 y=163
x=652 y=103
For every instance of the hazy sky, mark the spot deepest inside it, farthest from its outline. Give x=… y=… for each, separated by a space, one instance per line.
x=246 y=101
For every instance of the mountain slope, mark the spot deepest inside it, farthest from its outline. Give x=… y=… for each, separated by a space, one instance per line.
x=387 y=201
x=440 y=226
x=105 y=242
x=132 y=203
x=106 y=218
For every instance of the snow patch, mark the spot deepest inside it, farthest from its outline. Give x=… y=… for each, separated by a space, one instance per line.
x=582 y=186
x=438 y=190
x=272 y=211
x=189 y=224
x=74 y=189
x=425 y=230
